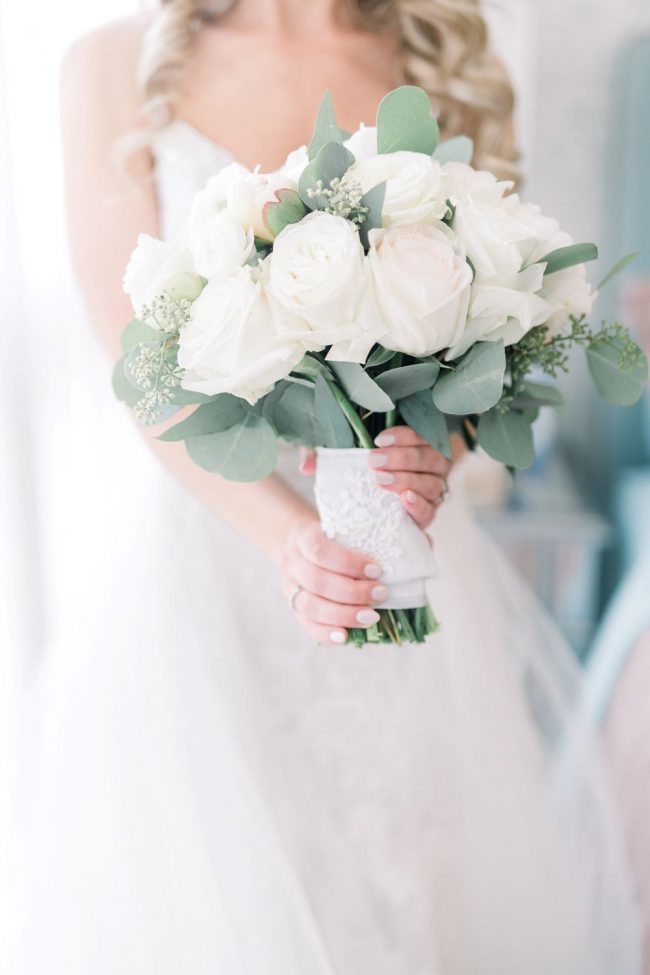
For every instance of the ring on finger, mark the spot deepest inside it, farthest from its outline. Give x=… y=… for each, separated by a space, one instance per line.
x=294 y=595
x=445 y=494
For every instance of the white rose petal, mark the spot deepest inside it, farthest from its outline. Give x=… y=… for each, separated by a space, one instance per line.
x=230 y=344
x=213 y=198
x=415 y=186
x=157 y=268
x=363 y=143
x=421 y=283
x=295 y=163
x=463 y=181
x=568 y=290
x=506 y=308
x=221 y=245
x=571 y=294
x=317 y=284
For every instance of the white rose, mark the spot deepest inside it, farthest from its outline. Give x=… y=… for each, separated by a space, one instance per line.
x=505 y=307
x=421 y=284
x=230 y=345
x=415 y=190
x=571 y=294
x=568 y=290
x=295 y=163
x=158 y=267
x=221 y=245
x=213 y=198
x=248 y=195
x=463 y=181
x=363 y=143
x=318 y=287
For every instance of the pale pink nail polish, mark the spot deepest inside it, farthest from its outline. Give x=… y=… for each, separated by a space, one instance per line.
x=411 y=497
x=379 y=594
x=383 y=477
x=367 y=617
x=338 y=636
x=385 y=440
x=377 y=460
x=372 y=571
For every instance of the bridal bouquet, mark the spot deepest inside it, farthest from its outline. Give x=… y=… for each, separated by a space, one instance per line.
x=377 y=277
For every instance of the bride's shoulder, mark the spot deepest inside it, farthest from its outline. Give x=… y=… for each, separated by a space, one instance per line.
x=102 y=63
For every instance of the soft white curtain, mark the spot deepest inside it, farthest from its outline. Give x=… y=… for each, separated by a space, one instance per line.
x=37 y=304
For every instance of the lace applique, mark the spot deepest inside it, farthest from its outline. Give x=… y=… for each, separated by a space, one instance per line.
x=363 y=516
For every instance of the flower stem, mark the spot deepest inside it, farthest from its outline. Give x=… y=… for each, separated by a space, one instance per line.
x=355 y=421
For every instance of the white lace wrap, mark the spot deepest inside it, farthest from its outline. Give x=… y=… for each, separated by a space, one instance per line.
x=359 y=514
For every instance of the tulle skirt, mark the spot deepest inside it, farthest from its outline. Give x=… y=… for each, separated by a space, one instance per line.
x=200 y=789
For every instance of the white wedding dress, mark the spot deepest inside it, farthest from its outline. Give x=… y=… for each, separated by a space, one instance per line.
x=203 y=790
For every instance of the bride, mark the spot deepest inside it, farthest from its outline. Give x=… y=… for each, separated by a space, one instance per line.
x=214 y=782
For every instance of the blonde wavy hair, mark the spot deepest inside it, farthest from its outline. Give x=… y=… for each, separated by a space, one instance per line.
x=443 y=45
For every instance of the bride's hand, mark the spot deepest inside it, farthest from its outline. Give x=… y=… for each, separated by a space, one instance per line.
x=408 y=466
x=330 y=588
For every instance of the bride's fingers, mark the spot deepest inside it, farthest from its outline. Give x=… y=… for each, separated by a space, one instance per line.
x=325 y=634
x=401 y=436
x=421 y=511
x=307 y=461
x=429 y=486
x=332 y=586
x=420 y=459
x=315 y=609
x=317 y=548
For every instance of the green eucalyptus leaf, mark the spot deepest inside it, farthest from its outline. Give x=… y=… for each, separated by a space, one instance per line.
x=189 y=397
x=245 y=452
x=380 y=357
x=335 y=431
x=508 y=438
x=137 y=333
x=405 y=121
x=332 y=162
x=266 y=406
x=288 y=209
x=423 y=416
x=374 y=201
x=294 y=416
x=313 y=367
x=221 y=413
x=618 y=267
x=476 y=384
x=325 y=128
x=405 y=380
x=565 y=257
x=459 y=149
x=360 y=388
x=615 y=380
x=532 y=394
x=123 y=388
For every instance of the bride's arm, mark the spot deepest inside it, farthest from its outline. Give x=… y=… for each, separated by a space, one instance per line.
x=107 y=208
x=106 y=211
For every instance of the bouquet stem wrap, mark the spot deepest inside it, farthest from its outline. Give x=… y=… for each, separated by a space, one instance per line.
x=357 y=513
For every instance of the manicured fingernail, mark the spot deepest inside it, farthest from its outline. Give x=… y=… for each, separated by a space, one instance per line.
x=338 y=636
x=383 y=477
x=411 y=497
x=379 y=593
x=367 y=617
x=385 y=440
x=378 y=460
x=372 y=571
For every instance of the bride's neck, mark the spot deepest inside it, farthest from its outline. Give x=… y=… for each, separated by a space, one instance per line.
x=286 y=16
